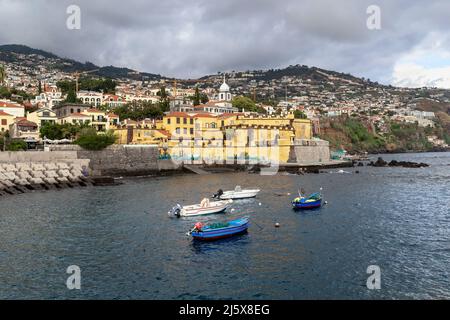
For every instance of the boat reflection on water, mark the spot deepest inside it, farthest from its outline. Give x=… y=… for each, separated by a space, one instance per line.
x=231 y=244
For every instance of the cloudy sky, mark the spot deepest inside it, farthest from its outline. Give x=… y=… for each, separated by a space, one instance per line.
x=190 y=38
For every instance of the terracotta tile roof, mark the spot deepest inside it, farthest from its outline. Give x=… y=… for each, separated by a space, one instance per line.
x=164 y=132
x=178 y=114
x=26 y=123
x=112 y=115
x=3 y=113
x=4 y=104
x=229 y=115
x=204 y=115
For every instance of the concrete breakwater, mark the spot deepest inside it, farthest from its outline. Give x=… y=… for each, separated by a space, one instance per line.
x=27 y=176
x=70 y=166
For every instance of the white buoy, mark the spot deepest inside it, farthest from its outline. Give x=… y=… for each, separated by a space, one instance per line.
x=259 y=203
x=277 y=225
x=326 y=202
x=288 y=193
x=232 y=209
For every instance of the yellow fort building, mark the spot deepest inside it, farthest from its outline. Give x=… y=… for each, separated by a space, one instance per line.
x=200 y=136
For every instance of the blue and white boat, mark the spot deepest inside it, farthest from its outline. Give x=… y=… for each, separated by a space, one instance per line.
x=214 y=231
x=311 y=202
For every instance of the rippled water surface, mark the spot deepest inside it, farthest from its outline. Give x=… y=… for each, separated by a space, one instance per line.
x=127 y=247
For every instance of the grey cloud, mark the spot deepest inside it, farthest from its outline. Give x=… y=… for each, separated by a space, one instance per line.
x=191 y=38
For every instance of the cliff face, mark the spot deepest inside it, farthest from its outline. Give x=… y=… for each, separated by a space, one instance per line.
x=355 y=135
x=352 y=135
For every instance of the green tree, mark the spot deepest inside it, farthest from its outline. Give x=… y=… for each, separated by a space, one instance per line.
x=72 y=97
x=164 y=103
x=66 y=86
x=89 y=139
x=204 y=98
x=90 y=84
x=52 y=131
x=2 y=74
x=246 y=104
x=196 y=98
x=17 y=145
x=55 y=131
x=299 y=114
x=5 y=93
x=139 y=110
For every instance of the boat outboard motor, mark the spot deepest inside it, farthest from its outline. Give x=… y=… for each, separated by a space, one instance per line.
x=218 y=193
x=176 y=211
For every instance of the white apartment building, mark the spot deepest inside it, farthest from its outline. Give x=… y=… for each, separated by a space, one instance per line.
x=12 y=108
x=90 y=97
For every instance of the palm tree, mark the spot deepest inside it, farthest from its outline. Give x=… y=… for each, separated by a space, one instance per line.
x=2 y=74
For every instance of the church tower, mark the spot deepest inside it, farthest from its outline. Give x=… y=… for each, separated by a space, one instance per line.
x=224 y=91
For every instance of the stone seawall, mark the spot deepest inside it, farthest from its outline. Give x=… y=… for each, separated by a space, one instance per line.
x=37 y=156
x=311 y=151
x=118 y=160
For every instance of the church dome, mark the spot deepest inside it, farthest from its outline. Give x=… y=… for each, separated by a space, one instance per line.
x=224 y=87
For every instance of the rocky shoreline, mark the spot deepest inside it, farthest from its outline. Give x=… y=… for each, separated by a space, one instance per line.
x=394 y=163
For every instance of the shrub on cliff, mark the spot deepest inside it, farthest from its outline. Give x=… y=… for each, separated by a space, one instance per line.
x=89 y=139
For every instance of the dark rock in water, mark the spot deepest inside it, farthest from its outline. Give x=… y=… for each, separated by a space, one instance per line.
x=393 y=163
x=380 y=162
x=407 y=164
x=357 y=171
x=254 y=169
x=104 y=181
x=312 y=170
x=360 y=164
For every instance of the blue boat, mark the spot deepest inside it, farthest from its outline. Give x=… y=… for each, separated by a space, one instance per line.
x=311 y=202
x=219 y=230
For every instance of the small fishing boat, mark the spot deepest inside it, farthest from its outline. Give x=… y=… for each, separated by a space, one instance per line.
x=311 y=202
x=237 y=193
x=219 y=230
x=204 y=207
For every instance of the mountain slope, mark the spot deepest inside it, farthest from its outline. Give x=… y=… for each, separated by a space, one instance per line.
x=15 y=53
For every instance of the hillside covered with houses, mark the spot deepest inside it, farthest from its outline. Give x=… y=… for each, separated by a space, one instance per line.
x=41 y=90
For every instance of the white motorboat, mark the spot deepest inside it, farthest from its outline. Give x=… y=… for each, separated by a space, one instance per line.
x=204 y=207
x=237 y=193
